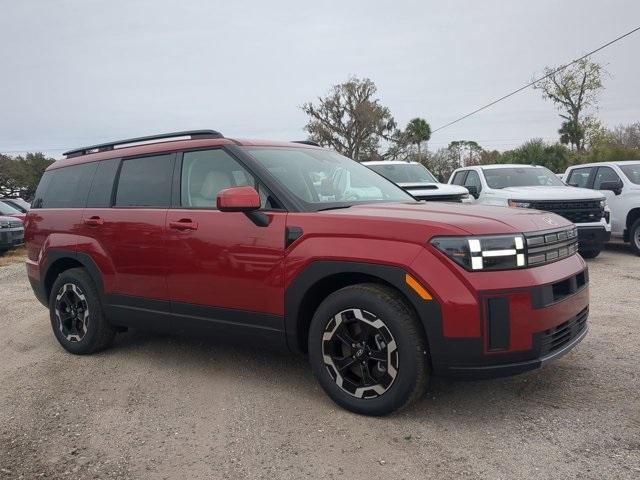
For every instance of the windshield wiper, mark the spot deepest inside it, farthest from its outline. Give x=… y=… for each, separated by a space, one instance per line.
x=333 y=208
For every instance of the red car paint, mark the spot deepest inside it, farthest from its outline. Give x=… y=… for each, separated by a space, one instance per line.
x=211 y=258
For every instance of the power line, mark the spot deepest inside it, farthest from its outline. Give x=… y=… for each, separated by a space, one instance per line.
x=537 y=80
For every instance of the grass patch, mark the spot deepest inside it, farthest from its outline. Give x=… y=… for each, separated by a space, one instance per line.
x=15 y=255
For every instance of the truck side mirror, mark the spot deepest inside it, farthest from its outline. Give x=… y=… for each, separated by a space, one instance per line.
x=473 y=191
x=615 y=187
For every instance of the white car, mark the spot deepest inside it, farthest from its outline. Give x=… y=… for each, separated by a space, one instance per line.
x=417 y=180
x=530 y=186
x=620 y=183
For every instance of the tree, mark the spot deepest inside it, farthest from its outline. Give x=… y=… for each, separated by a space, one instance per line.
x=350 y=119
x=468 y=152
x=571 y=133
x=536 y=152
x=20 y=176
x=573 y=89
x=626 y=136
x=417 y=132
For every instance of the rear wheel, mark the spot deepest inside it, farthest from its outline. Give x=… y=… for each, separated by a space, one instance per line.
x=367 y=350
x=76 y=313
x=634 y=236
x=590 y=253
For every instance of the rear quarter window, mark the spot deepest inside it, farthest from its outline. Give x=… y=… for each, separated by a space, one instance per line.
x=103 y=182
x=145 y=182
x=65 y=187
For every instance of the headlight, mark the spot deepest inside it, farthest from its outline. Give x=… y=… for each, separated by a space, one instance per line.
x=495 y=252
x=519 y=204
x=603 y=203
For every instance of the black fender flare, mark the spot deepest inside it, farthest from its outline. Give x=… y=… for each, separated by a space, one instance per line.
x=428 y=311
x=84 y=259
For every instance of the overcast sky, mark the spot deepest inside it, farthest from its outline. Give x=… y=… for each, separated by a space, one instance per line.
x=79 y=72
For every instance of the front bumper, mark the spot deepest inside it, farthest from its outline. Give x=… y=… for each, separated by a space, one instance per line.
x=493 y=324
x=592 y=238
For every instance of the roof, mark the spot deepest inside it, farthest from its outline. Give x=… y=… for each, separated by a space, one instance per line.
x=165 y=143
x=618 y=162
x=389 y=162
x=510 y=165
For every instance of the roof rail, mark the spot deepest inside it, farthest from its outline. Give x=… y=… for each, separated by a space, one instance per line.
x=306 y=142
x=102 y=147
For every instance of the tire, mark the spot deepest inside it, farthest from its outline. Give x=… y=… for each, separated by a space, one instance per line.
x=84 y=329
x=390 y=331
x=590 y=253
x=634 y=237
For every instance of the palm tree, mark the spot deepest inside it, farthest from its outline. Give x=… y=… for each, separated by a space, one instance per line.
x=418 y=131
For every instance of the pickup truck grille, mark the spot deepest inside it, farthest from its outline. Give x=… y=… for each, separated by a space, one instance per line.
x=576 y=211
x=551 y=245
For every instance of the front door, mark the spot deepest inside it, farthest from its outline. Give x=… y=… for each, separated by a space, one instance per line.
x=224 y=272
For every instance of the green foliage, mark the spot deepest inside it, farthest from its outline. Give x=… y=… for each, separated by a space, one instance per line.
x=417 y=132
x=19 y=176
x=571 y=133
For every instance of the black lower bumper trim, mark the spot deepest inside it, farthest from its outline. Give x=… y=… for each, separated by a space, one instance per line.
x=508 y=369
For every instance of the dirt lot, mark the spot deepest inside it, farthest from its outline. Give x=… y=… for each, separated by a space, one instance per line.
x=159 y=407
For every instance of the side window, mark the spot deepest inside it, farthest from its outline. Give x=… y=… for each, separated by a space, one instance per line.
x=458 y=178
x=65 y=187
x=102 y=186
x=205 y=173
x=605 y=174
x=579 y=177
x=145 y=182
x=473 y=180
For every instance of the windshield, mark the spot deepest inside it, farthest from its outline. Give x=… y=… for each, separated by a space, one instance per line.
x=521 y=177
x=7 y=210
x=632 y=172
x=324 y=179
x=404 y=172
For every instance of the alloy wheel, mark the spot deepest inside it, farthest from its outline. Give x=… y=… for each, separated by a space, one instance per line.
x=360 y=353
x=72 y=312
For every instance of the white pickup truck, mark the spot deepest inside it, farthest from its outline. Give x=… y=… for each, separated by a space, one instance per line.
x=620 y=183
x=417 y=180
x=530 y=186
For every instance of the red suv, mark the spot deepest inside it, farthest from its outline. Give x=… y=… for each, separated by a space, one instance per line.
x=292 y=245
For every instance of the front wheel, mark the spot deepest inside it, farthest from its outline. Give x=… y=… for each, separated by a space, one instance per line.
x=368 y=350
x=590 y=253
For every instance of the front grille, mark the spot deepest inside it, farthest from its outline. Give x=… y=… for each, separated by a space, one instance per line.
x=576 y=211
x=551 y=245
x=557 y=337
x=14 y=224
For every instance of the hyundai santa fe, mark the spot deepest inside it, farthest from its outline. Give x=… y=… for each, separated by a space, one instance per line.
x=295 y=246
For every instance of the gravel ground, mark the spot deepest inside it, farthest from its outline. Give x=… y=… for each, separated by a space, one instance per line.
x=160 y=407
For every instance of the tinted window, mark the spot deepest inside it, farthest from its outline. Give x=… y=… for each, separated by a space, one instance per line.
x=579 y=177
x=458 y=178
x=632 y=171
x=6 y=209
x=145 y=182
x=102 y=186
x=205 y=173
x=605 y=174
x=473 y=180
x=65 y=187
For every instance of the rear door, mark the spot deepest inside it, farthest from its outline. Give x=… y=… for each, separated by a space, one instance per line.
x=124 y=225
x=225 y=272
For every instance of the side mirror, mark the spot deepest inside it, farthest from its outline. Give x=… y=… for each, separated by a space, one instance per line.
x=238 y=199
x=473 y=191
x=615 y=187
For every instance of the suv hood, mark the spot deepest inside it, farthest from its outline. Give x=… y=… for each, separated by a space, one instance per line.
x=455 y=218
x=548 y=193
x=420 y=189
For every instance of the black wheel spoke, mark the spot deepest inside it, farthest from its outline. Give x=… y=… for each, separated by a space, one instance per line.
x=344 y=362
x=344 y=336
x=378 y=355
x=367 y=379
x=72 y=309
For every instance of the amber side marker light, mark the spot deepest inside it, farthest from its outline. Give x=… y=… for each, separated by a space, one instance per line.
x=419 y=289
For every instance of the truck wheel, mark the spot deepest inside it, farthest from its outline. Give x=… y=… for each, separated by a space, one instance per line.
x=590 y=253
x=634 y=236
x=76 y=314
x=368 y=350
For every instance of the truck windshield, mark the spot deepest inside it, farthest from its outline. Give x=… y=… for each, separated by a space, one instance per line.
x=324 y=179
x=521 y=177
x=632 y=172
x=404 y=172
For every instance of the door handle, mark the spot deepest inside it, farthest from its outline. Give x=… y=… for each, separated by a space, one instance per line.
x=184 y=224
x=94 y=221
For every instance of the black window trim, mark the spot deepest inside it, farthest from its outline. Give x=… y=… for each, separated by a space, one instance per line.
x=176 y=195
x=464 y=173
x=590 y=179
x=595 y=175
x=479 y=178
